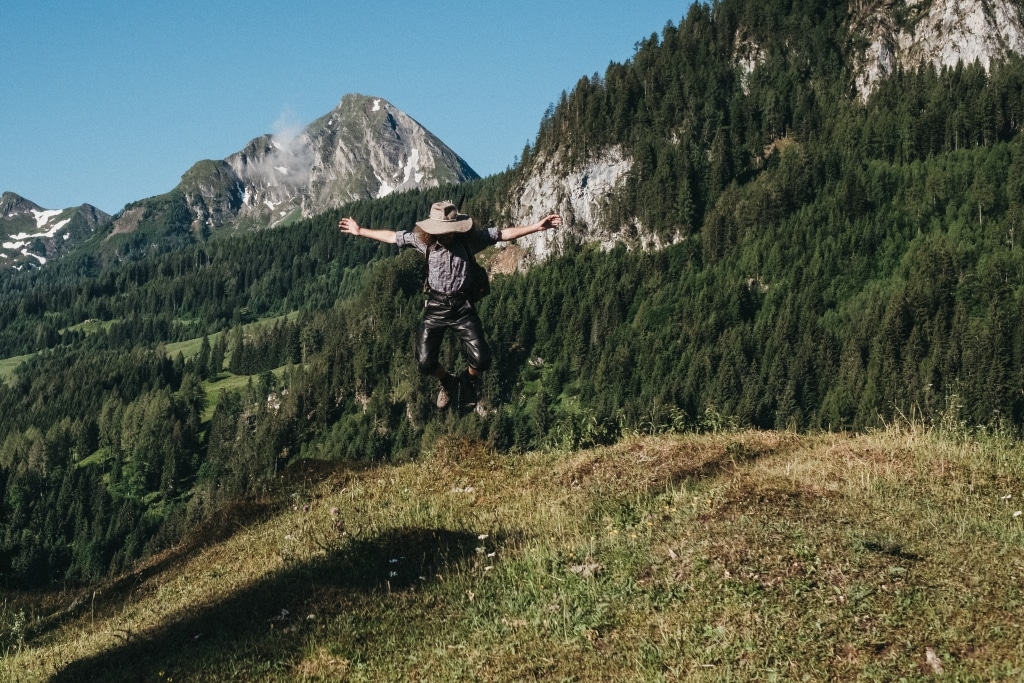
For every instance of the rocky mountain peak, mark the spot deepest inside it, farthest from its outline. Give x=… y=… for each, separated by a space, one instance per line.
x=30 y=234
x=12 y=204
x=365 y=148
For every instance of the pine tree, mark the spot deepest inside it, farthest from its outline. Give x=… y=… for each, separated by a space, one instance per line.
x=217 y=357
x=202 y=364
x=237 y=364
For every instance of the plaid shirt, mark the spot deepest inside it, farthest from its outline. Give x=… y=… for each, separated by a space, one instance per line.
x=446 y=267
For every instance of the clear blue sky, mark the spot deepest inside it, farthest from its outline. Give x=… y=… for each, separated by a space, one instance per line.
x=111 y=101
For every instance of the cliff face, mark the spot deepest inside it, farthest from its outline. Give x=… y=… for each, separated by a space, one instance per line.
x=912 y=33
x=578 y=196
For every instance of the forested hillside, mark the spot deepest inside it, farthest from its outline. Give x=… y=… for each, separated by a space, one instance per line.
x=834 y=264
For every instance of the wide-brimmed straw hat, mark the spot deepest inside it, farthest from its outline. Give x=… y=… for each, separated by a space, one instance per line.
x=445 y=218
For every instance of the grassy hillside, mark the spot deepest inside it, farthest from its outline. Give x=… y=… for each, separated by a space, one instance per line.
x=733 y=556
x=9 y=365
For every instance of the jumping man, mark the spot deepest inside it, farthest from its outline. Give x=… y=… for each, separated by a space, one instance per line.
x=448 y=239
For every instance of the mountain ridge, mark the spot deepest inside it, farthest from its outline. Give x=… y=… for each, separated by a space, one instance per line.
x=31 y=235
x=364 y=148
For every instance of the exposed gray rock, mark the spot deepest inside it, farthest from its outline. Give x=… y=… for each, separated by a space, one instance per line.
x=898 y=34
x=578 y=195
x=912 y=33
x=364 y=149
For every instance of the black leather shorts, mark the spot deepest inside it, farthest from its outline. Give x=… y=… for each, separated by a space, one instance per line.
x=442 y=313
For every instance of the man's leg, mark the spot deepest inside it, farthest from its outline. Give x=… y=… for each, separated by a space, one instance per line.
x=428 y=349
x=470 y=332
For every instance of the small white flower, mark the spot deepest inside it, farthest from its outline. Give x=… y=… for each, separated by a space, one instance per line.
x=482 y=537
x=491 y=554
x=392 y=574
x=393 y=560
x=488 y=568
x=1018 y=513
x=1006 y=497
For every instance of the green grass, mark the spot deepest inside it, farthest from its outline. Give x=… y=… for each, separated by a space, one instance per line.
x=97 y=458
x=9 y=365
x=190 y=347
x=90 y=326
x=730 y=557
x=228 y=382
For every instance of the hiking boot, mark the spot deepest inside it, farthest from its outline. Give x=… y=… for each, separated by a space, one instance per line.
x=472 y=388
x=450 y=386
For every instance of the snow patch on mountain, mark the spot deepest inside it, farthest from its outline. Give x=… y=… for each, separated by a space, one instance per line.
x=46 y=229
x=52 y=232
x=43 y=217
x=31 y=235
x=412 y=166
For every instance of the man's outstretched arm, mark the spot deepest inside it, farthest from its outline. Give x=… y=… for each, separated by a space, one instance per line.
x=546 y=223
x=350 y=226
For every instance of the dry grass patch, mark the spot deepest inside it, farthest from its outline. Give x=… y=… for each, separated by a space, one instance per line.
x=642 y=465
x=323 y=666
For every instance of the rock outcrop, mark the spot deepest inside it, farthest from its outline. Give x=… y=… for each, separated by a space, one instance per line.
x=912 y=33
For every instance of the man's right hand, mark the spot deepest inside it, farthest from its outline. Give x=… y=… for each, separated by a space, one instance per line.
x=349 y=225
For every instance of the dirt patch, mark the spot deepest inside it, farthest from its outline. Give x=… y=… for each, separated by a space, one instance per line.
x=128 y=222
x=506 y=261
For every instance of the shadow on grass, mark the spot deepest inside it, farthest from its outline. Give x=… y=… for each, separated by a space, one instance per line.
x=221 y=525
x=113 y=594
x=892 y=550
x=273 y=615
